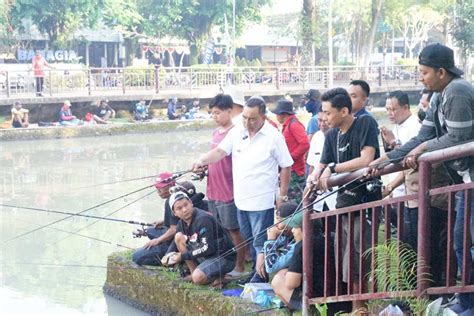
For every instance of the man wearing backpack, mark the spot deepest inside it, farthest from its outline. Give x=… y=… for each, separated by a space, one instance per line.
x=298 y=145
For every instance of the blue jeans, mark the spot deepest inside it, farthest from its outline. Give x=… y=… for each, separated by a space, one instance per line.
x=152 y=256
x=254 y=224
x=465 y=299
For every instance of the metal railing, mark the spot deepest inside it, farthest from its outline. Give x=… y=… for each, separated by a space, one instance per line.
x=96 y=81
x=379 y=228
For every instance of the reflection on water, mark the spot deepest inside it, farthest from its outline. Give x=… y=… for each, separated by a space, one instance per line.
x=52 y=267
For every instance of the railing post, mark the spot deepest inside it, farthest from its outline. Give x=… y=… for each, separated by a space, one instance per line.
x=303 y=77
x=424 y=228
x=50 y=83
x=7 y=82
x=123 y=80
x=89 y=81
x=380 y=76
x=277 y=80
x=157 y=79
x=307 y=260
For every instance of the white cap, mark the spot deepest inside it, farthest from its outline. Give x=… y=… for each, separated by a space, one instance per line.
x=237 y=95
x=175 y=197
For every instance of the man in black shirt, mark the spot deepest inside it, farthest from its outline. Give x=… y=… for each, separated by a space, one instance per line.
x=350 y=144
x=162 y=234
x=200 y=242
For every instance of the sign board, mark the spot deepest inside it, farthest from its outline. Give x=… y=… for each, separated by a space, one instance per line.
x=59 y=55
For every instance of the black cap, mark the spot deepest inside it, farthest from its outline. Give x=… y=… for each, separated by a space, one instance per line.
x=287 y=209
x=313 y=94
x=284 y=106
x=439 y=56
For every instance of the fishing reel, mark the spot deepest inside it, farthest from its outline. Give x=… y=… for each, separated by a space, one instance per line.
x=199 y=175
x=139 y=233
x=373 y=185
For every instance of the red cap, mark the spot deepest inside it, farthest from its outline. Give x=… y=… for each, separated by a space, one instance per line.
x=161 y=181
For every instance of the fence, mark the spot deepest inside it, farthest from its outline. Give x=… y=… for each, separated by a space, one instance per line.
x=96 y=81
x=362 y=282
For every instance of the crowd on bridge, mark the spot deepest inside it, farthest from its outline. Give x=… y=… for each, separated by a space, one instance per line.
x=258 y=173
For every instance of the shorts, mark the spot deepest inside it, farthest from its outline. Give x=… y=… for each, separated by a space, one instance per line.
x=296 y=299
x=217 y=267
x=226 y=213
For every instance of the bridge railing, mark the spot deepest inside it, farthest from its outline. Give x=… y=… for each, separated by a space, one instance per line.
x=378 y=227
x=94 y=81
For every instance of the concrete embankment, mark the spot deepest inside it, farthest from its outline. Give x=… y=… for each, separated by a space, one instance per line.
x=52 y=132
x=161 y=292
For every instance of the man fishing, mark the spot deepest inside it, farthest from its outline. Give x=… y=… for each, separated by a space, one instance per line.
x=200 y=242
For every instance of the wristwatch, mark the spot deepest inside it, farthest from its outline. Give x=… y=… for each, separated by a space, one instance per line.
x=395 y=143
x=284 y=198
x=332 y=167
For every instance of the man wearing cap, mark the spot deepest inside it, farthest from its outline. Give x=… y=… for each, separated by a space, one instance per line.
x=238 y=100
x=200 y=242
x=65 y=116
x=448 y=122
x=258 y=151
x=19 y=115
x=163 y=233
x=298 y=145
x=288 y=283
x=103 y=112
x=312 y=104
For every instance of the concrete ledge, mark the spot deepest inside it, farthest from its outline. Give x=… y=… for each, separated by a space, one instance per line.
x=52 y=132
x=160 y=292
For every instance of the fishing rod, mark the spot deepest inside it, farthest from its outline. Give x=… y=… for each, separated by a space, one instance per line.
x=110 y=214
x=69 y=216
x=81 y=235
x=377 y=166
x=250 y=239
x=79 y=215
x=177 y=173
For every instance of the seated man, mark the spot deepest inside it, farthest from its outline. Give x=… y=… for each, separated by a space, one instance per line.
x=200 y=242
x=288 y=283
x=140 y=112
x=19 y=116
x=103 y=112
x=162 y=234
x=279 y=247
x=65 y=116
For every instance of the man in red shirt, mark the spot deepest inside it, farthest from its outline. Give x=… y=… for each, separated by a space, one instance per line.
x=298 y=145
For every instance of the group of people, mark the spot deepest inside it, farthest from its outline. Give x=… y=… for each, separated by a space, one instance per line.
x=254 y=169
x=191 y=111
x=101 y=114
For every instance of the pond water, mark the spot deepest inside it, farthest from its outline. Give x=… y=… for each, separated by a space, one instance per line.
x=52 y=270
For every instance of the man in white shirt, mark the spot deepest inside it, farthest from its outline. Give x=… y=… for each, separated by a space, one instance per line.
x=314 y=154
x=406 y=127
x=258 y=151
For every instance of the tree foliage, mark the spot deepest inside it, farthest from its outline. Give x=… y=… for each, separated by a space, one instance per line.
x=463 y=28
x=57 y=18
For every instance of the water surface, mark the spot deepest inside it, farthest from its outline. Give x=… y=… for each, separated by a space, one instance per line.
x=51 y=271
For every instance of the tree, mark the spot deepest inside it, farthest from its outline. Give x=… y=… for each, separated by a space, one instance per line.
x=57 y=18
x=308 y=32
x=463 y=29
x=190 y=19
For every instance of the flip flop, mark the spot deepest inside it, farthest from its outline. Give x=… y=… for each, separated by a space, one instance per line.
x=234 y=275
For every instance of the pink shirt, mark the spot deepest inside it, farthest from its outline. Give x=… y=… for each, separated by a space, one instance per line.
x=38 y=63
x=219 y=180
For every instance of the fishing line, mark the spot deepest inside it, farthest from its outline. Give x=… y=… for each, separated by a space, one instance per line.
x=67 y=217
x=133 y=179
x=247 y=241
x=80 y=235
x=79 y=215
x=109 y=214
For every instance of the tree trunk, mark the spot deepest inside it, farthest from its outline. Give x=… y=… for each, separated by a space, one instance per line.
x=369 y=42
x=308 y=32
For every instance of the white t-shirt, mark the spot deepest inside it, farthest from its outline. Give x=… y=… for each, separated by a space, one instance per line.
x=404 y=132
x=314 y=155
x=255 y=165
